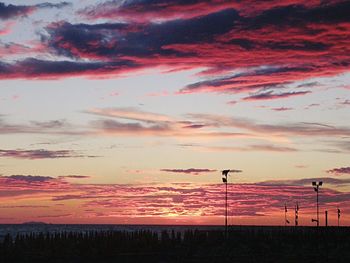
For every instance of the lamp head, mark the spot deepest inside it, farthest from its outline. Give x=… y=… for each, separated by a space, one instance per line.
x=320 y=183
x=314 y=183
x=225 y=172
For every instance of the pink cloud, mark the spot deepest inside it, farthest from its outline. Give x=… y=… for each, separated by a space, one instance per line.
x=6 y=28
x=147 y=202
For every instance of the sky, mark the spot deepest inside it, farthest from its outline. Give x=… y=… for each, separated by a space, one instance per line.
x=126 y=111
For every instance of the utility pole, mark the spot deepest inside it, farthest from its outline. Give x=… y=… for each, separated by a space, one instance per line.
x=316 y=186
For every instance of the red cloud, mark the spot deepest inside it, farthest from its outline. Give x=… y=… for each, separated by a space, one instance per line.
x=241 y=47
x=169 y=10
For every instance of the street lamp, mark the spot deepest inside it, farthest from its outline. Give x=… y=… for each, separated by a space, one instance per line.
x=316 y=186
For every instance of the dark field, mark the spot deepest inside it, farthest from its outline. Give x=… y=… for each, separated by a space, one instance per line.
x=180 y=244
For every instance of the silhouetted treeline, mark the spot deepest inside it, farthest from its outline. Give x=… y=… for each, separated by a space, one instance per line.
x=243 y=244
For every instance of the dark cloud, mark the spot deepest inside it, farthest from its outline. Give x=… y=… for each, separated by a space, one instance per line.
x=35 y=68
x=51 y=5
x=54 y=216
x=28 y=178
x=12 y=11
x=39 y=154
x=120 y=40
x=270 y=95
x=194 y=171
x=339 y=171
x=282 y=109
x=273 y=44
x=9 y=11
x=74 y=177
x=244 y=81
x=153 y=9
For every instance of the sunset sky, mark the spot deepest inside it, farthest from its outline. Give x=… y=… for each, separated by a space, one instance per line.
x=126 y=111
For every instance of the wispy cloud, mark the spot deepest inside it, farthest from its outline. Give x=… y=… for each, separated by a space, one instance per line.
x=270 y=95
x=339 y=171
x=195 y=171
x=40 y=154
x=250 y=148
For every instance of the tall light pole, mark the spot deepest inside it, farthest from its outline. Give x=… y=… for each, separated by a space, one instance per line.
x=225 y=174
x=225 y=181
x=316 y=186
x=338 y=210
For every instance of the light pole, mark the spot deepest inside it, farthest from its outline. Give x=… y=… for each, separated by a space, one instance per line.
x=225 y=174
x=338 y=210
x=286 y=221
x=316 y=186
x=296 y=212
x=225 y=181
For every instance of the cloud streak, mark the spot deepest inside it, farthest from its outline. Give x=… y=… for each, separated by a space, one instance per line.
x=194 y=171
x=339 y=171
x=272 y=96
x=40 y=154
